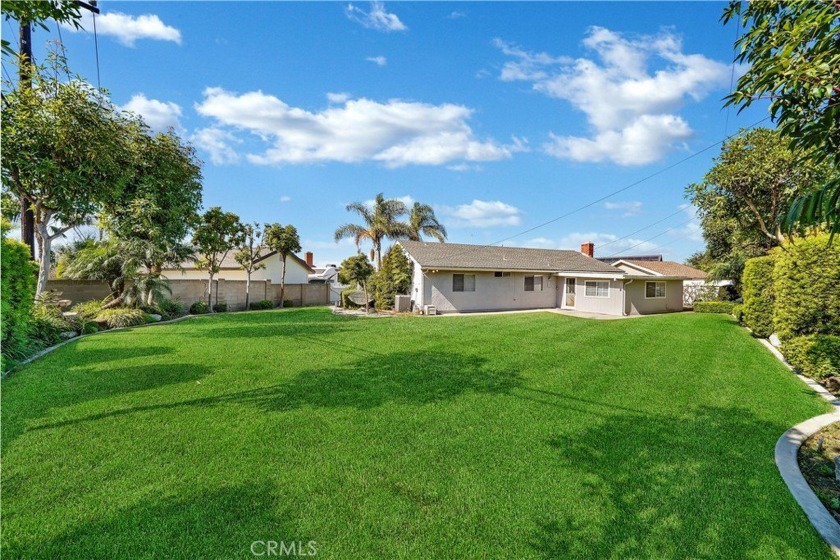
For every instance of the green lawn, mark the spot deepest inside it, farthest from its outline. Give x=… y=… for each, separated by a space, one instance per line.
x=530 y=435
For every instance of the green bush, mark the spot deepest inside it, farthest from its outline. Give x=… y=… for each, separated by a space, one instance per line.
x=118 y=317
x=170 y=309
x=263 y=304
x=89 y=328
x=714 y=307
x=288 y=303
x=816 y=355
x=46 y=329
x=738 y=312
x=345 y=299
x=199 y=308
x=392 y=279
x=220 y=307
x=17 y=275
x=806 y=284
x=757 y=290
x=88 y=310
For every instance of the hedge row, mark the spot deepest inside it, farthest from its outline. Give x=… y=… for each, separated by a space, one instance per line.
x=757 y=290
x=814 y=355
x=17 y=274
x=713 y=306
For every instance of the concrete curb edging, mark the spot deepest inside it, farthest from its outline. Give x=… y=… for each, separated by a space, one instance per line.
x=787 y=459
x=787 y=451
x=49 y=349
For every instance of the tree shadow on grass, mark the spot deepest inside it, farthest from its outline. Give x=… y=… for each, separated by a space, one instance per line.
x=401 y=377
x=221 y=523
x=702 y=485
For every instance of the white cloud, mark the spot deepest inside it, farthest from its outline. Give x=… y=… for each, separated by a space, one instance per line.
x=340 y=97
x=407 y=199
x=692 y=231
x=128 y=29
x=482 y=213
x=377 y=18
x=159 y=115
x=378 y=60
x=217 y=143
x=396 y=133
x=285 y=198
x=456 y=15
x=573 y=241
x=630 y=207
x=629 y=106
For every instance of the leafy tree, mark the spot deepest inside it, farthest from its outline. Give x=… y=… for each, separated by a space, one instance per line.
x=743 y=199
x=793 y=54
x=285 y=240
x=38 y=12
x=701 y=261
x=422 y=221
x=392 y=279
x=357 y=270
x=66 y=150
x=251 y=255
x=216 y=234
x=380 y=221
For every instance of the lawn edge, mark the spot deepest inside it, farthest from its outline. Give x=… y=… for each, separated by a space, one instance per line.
x=787 y=458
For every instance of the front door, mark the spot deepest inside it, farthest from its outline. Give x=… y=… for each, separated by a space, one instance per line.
x=569 y=296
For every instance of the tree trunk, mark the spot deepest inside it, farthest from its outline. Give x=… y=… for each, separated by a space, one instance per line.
x=283 y=283
x=367 y=301
x=210 y=291
x=44 y=243
x=379 y=255
x=247 y=290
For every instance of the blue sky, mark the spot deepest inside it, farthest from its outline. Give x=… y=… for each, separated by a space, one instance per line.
x=502 y=116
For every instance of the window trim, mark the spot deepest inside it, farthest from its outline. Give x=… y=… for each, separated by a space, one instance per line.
x=464 y=290
x=664 y=289
x=534 y=284
x=501 y=274
x=596 y=282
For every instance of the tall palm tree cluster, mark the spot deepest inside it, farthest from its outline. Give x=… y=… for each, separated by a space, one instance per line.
x=382 y=220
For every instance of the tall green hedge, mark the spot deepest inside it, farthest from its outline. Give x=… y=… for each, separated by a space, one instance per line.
x=757 y=291
x=806 y=286
x=17 y=276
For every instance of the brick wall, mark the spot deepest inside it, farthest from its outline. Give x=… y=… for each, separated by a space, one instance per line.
x=231 y=292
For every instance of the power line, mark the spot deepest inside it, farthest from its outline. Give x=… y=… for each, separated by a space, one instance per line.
x=732 y=75
x=660 y=234
x=680 y=211
x=96 y=47
x=617 y=191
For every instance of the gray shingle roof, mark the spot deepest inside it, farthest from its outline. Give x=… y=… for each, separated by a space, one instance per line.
x=490 y=257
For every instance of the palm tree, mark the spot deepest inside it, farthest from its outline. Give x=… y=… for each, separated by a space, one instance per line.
x=380 y=221
x=422 y=220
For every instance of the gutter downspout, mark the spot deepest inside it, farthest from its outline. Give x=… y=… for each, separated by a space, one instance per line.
x=624 y=298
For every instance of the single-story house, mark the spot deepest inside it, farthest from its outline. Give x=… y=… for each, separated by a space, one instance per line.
x=457 y=277
x=297 y=269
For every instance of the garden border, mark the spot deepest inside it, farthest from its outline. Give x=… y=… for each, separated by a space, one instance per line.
x=787 y=459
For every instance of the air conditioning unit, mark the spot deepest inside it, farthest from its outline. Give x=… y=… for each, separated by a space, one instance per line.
x=429 y=310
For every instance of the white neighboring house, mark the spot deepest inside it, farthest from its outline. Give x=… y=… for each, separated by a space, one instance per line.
x=456 y=277
x=328 y=275
x=297 y=270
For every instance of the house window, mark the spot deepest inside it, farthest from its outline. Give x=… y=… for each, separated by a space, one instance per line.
x=499 y=274
x=597 y=288
x=533 y=283
x=654 y=290
x=463 y=282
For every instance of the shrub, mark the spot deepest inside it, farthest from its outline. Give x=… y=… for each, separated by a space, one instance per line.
x=345 y=301
x=757 y=289
x=220 y=307
x=170 y=309
x=88 y=310
x=816 y=355
x=17 y=274
x=263 y=304
x=738 y=312
x=806 y=284
x=714 y=307
x=199 y=308
x=118 y=317
x=89 y=328
x=46 y=329
x=393 y=278
x=288 y=303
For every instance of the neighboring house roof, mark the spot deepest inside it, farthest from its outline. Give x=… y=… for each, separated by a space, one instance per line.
x=610 y=260
x=666 y=268
x=458 y=256
x=229 y=262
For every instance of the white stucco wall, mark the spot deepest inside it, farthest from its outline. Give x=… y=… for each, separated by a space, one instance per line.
x=491 y=293
x=607 y=305
x=295 y=273
x=638 y=304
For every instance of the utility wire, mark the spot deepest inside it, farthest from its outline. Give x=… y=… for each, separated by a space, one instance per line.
x=615 y=192
x=680 y=211
x=96 y=47
x=660 y=234
x=732 y=74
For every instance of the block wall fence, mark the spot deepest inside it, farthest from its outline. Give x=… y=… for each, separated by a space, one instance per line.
x=231 y=292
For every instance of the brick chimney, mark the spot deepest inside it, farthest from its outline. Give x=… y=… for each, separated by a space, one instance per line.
x=310 y=259
x=588 y=249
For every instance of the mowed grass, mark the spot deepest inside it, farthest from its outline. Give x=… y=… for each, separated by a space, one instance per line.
x=527 y=436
